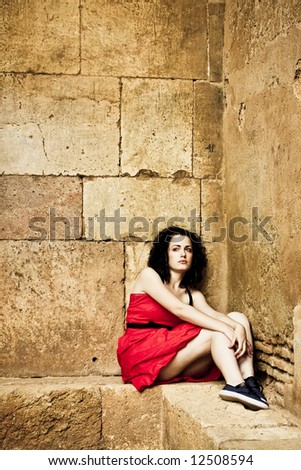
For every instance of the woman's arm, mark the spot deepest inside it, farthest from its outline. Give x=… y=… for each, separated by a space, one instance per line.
x=150 y=282
x=201 y=304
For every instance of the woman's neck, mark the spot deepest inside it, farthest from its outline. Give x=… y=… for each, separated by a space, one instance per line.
x=175 y=281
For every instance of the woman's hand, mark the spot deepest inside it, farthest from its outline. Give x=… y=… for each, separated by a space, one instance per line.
x=239 y=342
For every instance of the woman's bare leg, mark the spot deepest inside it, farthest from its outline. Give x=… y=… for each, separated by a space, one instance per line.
x=225 y=360
x=198 y=367
x=197 y=356
x=201 y=348
x=246 y=362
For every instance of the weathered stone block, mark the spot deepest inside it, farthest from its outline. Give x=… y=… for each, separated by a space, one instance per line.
x=122 y=208
x=284 y=438
x=60 y=125
x=208 y=122
x=251 y=26
x=131 y=420
x=63 y=307
x=156 y=126
x=127 y=38
x=41 y=36
x=215 y=278
x=214 y=233
x=40 y=416
x=40 y=207
x=216 y=41
x=213 y=219
x=181 y=431
x=263 y=166
x=222 y=425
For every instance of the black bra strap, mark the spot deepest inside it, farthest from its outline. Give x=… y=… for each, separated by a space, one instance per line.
x=190 y=297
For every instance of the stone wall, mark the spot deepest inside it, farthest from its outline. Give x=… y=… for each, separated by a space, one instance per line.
x=111 y=126
x=263 y=179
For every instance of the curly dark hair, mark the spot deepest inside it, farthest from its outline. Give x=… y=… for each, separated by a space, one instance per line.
x=158 y=256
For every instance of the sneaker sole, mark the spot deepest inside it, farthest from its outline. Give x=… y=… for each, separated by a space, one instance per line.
x=247 y=401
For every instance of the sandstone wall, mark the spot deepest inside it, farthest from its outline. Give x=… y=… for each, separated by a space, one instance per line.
x=263 y=179
x=111 y=127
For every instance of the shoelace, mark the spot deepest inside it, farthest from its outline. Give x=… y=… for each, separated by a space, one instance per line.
x=256 y=387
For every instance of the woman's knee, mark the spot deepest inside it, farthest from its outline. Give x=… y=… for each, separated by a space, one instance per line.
x=240 y=318
x=219 y=340
x=201 y=344
x=205 y=336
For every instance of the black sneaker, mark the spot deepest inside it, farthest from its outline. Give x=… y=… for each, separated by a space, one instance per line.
x=256 y=388
x=243 y=395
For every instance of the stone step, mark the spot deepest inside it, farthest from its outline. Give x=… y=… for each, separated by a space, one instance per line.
x=196 y=418
x=102 y=413
x=78 y=413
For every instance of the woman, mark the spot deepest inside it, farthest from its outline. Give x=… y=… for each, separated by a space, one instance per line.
x=173 y=335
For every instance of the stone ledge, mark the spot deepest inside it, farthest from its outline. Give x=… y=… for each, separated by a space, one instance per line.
x=196 y=418
x=102 y=413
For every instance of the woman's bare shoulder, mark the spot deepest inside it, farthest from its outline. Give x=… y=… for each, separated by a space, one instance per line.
x=145 y=277
x=148 y=272
x=197 y=295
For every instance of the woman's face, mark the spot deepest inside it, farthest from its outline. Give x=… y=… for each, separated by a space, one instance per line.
x=180 y=253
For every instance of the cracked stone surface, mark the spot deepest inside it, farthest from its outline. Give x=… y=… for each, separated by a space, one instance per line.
x=60 y=125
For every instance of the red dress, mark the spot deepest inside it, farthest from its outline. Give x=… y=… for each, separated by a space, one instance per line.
x=143 y=352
